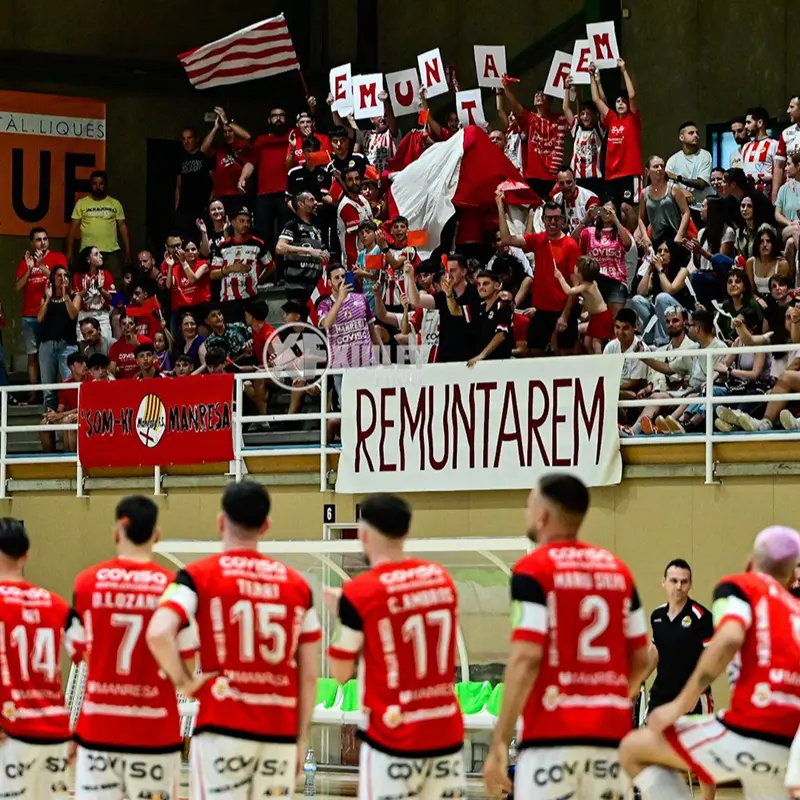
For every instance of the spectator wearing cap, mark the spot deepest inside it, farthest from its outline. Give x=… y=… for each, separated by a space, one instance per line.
x=241 y=263
x=98 y=220
x=691 y=167
x=353 y=209
x=296 y=153
x=192 y=184
x=231 y=158
x=92 y=339
x=146 y=362
x=123 y=352
x=66 y=411
x=300 y=245
x=496 y=336
x=458 y=304
x=33 y=275
x=270 y=162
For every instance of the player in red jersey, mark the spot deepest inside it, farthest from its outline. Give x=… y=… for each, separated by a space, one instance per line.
x=757 y=619
x=128 y=730
x=578 y=655
x=401 y=619
x=34 y=721
x=259 y=650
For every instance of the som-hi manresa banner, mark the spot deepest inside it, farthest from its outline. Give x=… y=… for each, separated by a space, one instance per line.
x=49 y=145
x=500 y=425
x=156 y=422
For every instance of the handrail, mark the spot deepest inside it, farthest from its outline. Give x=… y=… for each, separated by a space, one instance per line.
x=709 y=437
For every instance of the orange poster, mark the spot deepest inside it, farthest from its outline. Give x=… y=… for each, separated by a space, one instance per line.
x=48 y=147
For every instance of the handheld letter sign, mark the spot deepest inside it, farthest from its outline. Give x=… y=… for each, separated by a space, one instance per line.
x=403 y=89
x=341 y=90
x=556 y=85
x=366 y=89
x=490 y=64
x=470 y=108
x=431 y=73
x=603 y=40
x=581 y=58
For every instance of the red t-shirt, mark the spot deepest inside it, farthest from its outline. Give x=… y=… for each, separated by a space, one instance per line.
x=35 y=622
x=148 y=326
x=69 y=398
x=624 y=145
x=250 y=640
x=547 y=294
x=115 y=601
x=229 y=162
x=186 y=292
x=270 y=160
x=122 y=354
x=402 y=617
x=545 y=144
x=260 y=338
x=297 y=153
x=579 y=602
x=33 y=291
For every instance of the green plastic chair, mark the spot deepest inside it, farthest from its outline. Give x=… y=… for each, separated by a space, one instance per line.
x=495 y=701
x=351 y=696
x=473 y=696
x=327 y=690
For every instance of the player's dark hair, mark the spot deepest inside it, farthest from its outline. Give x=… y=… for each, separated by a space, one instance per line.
x=389 y=514
x=680 y=563
x=139 y=515
x=567 y=492
x=627 y=315
x=246 y=504
x=14 y=541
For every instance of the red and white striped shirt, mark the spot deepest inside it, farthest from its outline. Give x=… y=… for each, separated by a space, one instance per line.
x=757 y=160
x=350 y=213
x=587 y=147
x=788 y=142
x=394 y=281
x=251 y=252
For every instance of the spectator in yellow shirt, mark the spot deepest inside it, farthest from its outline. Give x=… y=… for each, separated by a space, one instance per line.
x=98 y=220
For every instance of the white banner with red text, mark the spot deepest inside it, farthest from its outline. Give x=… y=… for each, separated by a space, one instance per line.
x=499 y=425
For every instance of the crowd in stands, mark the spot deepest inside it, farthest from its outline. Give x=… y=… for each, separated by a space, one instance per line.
x=686 y=253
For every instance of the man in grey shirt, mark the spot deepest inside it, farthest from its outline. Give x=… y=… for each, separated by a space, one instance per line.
x=691 y=167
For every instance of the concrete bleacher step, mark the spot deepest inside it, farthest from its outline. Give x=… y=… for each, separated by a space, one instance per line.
x=26 y=441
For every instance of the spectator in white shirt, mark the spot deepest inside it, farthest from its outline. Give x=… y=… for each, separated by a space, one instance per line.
x=691 y=167
x=634 y=371
x=741 y=137
x=575 y=200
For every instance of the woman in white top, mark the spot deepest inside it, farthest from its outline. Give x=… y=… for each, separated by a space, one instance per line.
x=787 y=208
x=766 y=262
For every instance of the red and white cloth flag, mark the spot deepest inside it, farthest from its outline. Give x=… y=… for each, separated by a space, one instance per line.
x=259 y=51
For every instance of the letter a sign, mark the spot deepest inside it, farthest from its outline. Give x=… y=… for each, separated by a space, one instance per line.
x=490 y=65
x=603 y=42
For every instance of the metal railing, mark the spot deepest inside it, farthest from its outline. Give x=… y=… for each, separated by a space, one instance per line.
x=323 y=448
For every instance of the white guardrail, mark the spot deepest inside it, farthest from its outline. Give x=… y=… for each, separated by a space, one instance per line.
x=323 y=448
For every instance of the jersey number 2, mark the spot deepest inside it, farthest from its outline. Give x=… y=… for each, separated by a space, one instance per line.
x=594 y=610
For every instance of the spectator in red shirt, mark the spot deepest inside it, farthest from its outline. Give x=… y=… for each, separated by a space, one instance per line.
x=231 y=160
x=94 y=285
x=546 y=133
x=255 y=315
x=189 y=282
x=33 y=273
x=150 y=323
x=555 y=312
x=295 y=156
x=270 y=161
x=122 y=352
x=624 y=143
x=67 y=410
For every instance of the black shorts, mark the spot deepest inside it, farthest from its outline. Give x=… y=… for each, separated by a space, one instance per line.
x=543 y=326
x=627 y=189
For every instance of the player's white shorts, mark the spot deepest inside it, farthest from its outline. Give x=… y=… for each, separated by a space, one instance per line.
x=718 y=755
x=574 y=771
x=102 y=775
x=381 y=775
x=36 y=771
x=227 y=768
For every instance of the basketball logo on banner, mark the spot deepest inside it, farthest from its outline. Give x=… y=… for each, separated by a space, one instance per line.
x=151 y=420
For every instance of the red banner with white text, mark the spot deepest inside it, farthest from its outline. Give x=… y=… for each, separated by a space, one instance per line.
x=156 y=422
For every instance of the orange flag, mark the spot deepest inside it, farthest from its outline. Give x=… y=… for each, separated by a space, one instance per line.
x=417 y=238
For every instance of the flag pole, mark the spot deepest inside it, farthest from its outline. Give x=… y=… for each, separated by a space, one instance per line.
x=303 y=81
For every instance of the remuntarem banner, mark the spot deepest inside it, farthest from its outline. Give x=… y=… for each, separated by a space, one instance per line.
x=499 y=425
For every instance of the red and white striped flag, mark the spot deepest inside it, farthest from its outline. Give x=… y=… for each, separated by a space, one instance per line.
x=261 y=50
